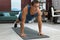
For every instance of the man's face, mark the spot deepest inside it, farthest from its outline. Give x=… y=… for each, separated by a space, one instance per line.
x=36 y=6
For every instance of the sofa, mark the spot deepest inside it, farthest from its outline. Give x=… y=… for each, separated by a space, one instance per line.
x=8 y=16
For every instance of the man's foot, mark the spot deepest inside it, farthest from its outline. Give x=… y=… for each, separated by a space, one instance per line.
x=15 y=25
x=23 y=35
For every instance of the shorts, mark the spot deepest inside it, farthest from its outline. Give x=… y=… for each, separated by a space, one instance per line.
x=20 y=20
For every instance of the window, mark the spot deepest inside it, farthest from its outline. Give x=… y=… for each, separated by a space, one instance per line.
x=42 y=4
x=15 y=5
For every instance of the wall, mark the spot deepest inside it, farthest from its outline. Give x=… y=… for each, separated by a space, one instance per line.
x=10 y=5
x=56 y=4
x=31 y=0
x=5 y=5
x=24 y=3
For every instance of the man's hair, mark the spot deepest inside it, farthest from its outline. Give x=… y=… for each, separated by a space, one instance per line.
x=34 y=1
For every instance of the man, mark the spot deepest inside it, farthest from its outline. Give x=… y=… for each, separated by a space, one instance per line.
x=28 y=13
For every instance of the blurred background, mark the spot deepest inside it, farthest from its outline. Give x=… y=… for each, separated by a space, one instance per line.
x=10 y=8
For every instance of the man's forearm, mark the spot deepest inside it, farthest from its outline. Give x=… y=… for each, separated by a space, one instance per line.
x=40 y=26
x=22 y=28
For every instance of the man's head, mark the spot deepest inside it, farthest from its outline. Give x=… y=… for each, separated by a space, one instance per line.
x=35 y=4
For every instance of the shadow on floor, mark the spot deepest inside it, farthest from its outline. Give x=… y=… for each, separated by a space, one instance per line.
x=31 y=34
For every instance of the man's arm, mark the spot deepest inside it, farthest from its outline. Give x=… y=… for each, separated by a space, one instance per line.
x=39 y=18
x=24 y=13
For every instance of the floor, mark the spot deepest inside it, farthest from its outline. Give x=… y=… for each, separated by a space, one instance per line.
x=51 y=31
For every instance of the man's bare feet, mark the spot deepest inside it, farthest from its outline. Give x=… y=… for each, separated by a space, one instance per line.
x=23 y=35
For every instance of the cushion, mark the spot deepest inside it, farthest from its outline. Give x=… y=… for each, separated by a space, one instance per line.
x=1 y=14
x=6 y=14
